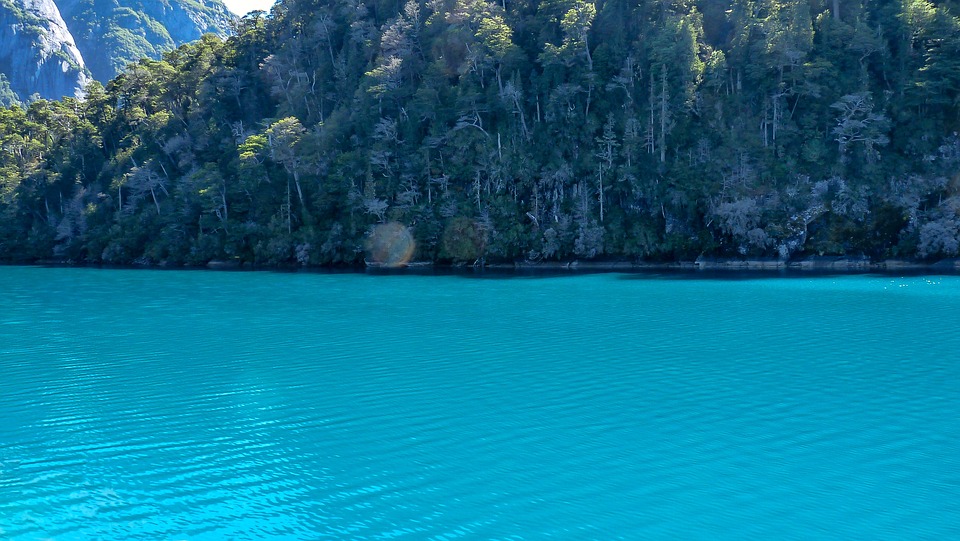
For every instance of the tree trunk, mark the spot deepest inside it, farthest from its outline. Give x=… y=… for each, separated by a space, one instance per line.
x=296 y=180
x=601 y=193
x=523 y=120
x=223 y=198
x=155 y=202
x=586 y=48
x=663 y=114
x=650 y=144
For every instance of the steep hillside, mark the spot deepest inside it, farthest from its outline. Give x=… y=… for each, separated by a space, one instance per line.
x=53 y=48
x=38 y=54
x=508 y=131
x=114 y=33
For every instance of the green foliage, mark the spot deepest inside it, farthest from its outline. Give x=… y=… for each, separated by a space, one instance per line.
x=463 y=240
x=501 y=131
x=8 y=97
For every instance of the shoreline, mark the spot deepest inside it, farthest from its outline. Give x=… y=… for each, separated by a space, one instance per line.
x=809 y=265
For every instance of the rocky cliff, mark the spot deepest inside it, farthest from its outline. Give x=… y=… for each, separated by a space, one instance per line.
x=38 y=53
x=52 y=48
x=114 y=33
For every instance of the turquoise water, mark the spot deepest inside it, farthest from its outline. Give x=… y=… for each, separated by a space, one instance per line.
x=140 y=404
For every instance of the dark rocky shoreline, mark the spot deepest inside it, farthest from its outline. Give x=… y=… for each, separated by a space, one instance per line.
x=817 y=264
x=813 y=264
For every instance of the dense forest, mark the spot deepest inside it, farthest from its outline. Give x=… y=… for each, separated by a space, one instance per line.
x=656 y=130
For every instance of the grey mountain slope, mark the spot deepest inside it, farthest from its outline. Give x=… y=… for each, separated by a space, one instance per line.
x=38 y=54
x=52 y=47
x=114 y=33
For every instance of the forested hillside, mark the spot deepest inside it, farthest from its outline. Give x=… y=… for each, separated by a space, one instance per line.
x=508 y=130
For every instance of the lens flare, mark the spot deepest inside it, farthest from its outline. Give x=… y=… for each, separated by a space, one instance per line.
x=390 y=245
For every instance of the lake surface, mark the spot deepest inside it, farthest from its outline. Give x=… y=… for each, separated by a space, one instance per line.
x=144 y=404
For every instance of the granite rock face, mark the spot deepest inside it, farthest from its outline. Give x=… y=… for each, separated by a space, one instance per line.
x=114 y=33
x=53 y=48
x=38 y=54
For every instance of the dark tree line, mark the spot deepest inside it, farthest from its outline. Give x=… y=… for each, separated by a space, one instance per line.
x=505 y=130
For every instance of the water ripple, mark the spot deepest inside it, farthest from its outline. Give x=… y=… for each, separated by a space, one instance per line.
x=178 y=405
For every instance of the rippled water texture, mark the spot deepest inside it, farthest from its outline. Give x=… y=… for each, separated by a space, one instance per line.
x=138 y=404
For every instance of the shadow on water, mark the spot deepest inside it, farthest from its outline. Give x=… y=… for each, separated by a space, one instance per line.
x=678 y=274
x=649 y=273
x=524 y=272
